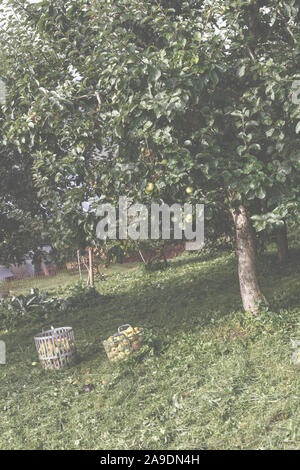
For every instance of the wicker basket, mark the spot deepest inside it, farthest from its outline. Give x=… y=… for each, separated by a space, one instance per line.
x=56 y=347
x=136 y=339
x=123 y=343
x=117 y=348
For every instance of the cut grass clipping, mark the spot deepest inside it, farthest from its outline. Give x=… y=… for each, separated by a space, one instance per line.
x=208 y=376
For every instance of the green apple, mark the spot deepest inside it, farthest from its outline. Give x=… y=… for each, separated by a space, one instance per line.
x=149 y=187
x=189 y=190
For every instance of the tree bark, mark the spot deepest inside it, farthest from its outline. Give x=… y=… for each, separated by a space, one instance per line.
x=282 y=243
x=249 y=287
x=44 y=268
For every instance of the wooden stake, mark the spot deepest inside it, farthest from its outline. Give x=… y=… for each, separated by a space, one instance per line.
x=78 y=261
x=91 y=271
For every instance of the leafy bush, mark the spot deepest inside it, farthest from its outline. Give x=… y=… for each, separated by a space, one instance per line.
x=79 y=295
x=42 y=304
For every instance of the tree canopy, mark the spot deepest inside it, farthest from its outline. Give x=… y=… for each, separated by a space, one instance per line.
x=192 y=94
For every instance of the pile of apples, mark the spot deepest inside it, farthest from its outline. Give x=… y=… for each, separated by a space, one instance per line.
x=120 y=345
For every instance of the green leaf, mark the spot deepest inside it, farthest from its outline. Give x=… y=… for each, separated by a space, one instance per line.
x=154 y=74
x=241 y=71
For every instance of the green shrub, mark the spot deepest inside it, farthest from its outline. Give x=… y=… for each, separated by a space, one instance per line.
x=42 y=304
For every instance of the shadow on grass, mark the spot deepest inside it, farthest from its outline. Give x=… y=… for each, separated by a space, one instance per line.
x=201 y=257
x=178 y=299
x=192 y=297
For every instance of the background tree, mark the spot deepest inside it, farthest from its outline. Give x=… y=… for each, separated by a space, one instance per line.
x=22 y=215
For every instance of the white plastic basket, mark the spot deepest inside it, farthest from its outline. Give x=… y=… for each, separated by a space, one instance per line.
x=56 y=347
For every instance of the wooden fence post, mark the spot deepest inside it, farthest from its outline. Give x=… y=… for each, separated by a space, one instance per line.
x=91 y=271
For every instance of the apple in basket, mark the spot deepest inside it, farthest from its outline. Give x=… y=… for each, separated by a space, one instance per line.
x=136 y=345
x=120 y=346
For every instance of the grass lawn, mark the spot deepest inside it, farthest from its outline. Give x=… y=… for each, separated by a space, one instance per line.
x=209 y=376
x=62 y=279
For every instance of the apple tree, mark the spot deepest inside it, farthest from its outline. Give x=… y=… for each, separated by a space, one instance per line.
x=194 y=95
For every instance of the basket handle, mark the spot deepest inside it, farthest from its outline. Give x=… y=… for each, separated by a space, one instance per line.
x=123 y=327
x=113 y=336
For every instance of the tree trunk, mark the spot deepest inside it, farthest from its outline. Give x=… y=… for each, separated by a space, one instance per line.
x=250 y=290
x=44 y=268
x=282 y=243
